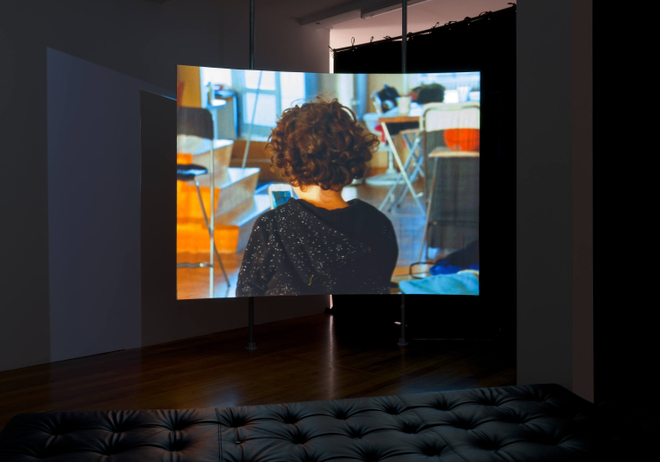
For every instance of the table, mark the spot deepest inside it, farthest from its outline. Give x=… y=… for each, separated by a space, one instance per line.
x=191 y=144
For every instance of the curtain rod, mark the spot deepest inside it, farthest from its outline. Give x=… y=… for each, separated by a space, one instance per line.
x=449 y=25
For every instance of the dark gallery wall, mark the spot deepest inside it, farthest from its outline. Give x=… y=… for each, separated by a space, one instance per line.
x=555 y=195
x=137 y=39
x=145 y=40
x=94 y=208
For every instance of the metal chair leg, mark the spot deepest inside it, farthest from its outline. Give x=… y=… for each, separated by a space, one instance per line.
x=208 y=228
x=398 y=190
x=413 y=157
x=429 y=202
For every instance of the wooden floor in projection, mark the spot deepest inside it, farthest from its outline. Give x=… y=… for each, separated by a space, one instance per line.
x=193 y=244
x=304 y=359
x=241 y=196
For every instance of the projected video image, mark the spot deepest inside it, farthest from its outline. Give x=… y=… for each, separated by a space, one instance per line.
x=305 y=184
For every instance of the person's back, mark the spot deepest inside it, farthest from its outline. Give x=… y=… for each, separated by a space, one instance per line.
x=301 y=249
x=319 y=243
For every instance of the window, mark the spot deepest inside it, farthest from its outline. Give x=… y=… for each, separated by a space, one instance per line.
x=214 y=76
x=273 y=92
x=459 y=87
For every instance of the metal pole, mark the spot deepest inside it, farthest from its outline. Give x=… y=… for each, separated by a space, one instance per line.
x=402 y=340
x=256 y=98
x=251 y=345
x=212 y=224
x=404 y=33
x=252 y=34
x=254 y=113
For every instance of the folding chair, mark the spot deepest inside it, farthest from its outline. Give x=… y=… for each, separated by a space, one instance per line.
x=441 y=116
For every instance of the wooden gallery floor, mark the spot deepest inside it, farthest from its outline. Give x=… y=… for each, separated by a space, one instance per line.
x=296 y=360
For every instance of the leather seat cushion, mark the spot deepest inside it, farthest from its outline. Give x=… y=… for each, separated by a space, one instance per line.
x=535 y=422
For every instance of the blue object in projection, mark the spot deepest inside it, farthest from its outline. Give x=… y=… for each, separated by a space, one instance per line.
x=463 y=283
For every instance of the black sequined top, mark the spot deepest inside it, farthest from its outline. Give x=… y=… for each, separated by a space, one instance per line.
x=301 y=249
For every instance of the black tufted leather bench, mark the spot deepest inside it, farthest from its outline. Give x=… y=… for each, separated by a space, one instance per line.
x=500 y=424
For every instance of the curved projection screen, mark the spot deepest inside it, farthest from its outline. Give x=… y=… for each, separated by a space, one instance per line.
x=294 y=183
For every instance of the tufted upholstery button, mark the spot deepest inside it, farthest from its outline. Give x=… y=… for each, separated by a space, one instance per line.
x=341 y=415
x=179 y=426
x=410 y=428
x=355 y=433
x=391 y=411
x=440 y=406
x=465 y=425
x=290 y=419
x=115 y=429
x=369 y=454
x=299 y=438
x=431 y=450
x=237 y=423
x=489 y=445
x=512 y=418
x=371 y=457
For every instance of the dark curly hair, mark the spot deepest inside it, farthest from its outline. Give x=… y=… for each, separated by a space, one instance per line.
x=321 y=143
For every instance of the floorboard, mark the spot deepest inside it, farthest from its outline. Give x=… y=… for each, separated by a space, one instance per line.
x=296 y=360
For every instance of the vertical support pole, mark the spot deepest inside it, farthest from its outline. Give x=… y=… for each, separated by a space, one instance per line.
x=404 y=33
x=252 y=34
x=251 y=345
x=256 y=98
x=212 y=224
x=402 y=340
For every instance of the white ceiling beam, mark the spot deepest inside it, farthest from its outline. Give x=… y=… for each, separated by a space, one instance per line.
x=336 y=15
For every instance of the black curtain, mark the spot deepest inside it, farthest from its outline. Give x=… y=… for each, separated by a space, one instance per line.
x=486 y=43
x=486 y=40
